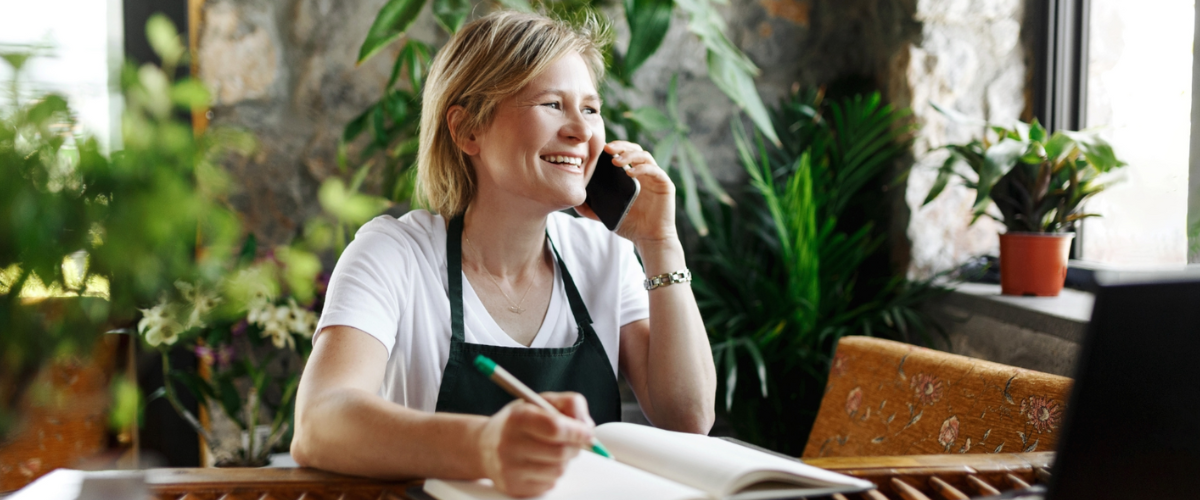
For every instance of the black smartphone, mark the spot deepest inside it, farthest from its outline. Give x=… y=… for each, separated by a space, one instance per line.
x=611 y=192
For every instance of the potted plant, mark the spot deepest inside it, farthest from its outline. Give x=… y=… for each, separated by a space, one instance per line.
x=1038 y=183
x=250 y=332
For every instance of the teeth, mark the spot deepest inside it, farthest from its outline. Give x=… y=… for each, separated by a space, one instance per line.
x=563 y=159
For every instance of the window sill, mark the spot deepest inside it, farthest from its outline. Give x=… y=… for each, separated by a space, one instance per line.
x=1065 y=316
x=1036 y=333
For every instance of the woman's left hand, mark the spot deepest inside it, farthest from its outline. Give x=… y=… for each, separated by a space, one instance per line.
x=652 y=216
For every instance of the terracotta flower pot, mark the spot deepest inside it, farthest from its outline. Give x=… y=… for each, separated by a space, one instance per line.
x=1034 y=263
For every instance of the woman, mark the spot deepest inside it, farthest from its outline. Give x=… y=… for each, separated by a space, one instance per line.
x=510 y=134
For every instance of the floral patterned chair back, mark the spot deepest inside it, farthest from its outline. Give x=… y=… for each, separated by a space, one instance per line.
x=890 y=398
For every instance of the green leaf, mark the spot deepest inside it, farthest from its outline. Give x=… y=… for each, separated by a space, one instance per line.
x=191 y=94
x=691 y=199
x=197 y=386
x=517 y=5
x=415 y=56
x=664 y=151
x=1057 y=146
x=760 y=366
x=393 y=20
x=710 y=183
x=450 y=14
x=650 y=118
x=996 y=162
x=957 y=117
x=397 y=106
x=673 y=98
x=738 y=84
x=347 y=205
x=943 y=178
x=1037 y=133
x=379 y=130
x=164 y=39
x=648 y=24
x=357 y=125
x=1097 y=151
x=231 y=400
x=731 y=376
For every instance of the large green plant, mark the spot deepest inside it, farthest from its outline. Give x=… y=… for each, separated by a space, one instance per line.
x=1038 y=181
x=782 y=275
x=392 y=121
x=85 y=239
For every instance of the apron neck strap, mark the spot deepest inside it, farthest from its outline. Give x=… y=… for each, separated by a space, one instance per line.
x=455 y=276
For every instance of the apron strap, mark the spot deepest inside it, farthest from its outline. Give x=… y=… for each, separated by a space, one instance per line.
x=578 y=308
x=454 y=275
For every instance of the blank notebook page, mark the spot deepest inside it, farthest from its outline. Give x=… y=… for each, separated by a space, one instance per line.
x=589 y=476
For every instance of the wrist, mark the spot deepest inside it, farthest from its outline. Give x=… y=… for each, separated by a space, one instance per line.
x=660 y=256
x=477 y=438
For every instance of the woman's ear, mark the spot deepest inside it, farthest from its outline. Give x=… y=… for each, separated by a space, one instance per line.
x=468 y=144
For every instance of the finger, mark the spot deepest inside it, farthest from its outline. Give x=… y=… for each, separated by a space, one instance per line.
x=543 y=425
x=620 y=148
x=571 y=404
x=544 y=453
x=634 y=158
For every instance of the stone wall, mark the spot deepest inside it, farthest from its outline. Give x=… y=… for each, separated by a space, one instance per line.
x=970 y=58
x=285 y=71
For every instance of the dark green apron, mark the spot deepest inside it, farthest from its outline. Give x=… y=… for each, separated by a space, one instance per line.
x=582 y=368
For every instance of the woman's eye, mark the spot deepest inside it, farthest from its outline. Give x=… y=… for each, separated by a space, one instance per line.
x=590 y=110
x=553 y=105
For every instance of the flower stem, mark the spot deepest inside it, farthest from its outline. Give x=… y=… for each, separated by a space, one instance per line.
x=169 y=391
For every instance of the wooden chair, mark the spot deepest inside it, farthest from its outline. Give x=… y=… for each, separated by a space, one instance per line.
x=890 y=398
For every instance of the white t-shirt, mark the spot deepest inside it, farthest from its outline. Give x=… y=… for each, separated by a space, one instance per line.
x=391 y=283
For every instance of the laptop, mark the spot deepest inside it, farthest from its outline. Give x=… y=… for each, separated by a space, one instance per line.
x=1132 y=428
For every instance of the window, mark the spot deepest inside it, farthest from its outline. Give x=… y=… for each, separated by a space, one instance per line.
x=82 y=60
x=1139 y=88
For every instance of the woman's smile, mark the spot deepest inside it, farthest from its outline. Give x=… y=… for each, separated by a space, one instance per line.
x=570 y=163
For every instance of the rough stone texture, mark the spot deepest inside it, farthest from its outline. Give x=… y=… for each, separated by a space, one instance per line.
x=970 y=59
x=993 y=339
x=285 y=72
x=1038 y=333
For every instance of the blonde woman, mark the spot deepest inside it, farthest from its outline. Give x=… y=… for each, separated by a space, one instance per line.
x=510 y=135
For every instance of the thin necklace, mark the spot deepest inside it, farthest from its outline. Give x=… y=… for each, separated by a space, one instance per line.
x=511 y=307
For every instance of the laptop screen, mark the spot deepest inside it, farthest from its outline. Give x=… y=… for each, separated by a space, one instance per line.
x=1133 y=423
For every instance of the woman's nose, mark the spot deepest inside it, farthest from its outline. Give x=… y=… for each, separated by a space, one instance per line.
x=576 y=127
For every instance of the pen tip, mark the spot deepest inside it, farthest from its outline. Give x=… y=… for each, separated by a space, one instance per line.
x=484 y=365
x=599 y=450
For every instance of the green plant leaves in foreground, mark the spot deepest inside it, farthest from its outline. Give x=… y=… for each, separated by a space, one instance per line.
x=450 y=14
x=393 y=20
x=648 y=24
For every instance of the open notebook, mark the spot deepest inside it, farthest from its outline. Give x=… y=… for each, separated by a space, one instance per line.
x=654 y=463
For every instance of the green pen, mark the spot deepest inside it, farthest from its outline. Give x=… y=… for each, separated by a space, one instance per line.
x=518 y=389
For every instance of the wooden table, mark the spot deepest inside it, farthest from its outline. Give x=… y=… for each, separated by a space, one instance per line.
x=914 y=477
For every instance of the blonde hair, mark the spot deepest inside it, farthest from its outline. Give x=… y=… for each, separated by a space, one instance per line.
x=487 y=61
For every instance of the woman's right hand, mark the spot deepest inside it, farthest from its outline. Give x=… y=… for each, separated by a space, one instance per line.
x=524 y=449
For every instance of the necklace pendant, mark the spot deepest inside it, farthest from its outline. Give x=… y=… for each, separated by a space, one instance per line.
x=515 y=309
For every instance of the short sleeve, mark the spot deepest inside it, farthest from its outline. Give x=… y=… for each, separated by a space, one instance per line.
x=635 y=301
x=365 y=290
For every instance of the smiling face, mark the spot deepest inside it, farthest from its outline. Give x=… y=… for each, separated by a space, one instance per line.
x=543 y=141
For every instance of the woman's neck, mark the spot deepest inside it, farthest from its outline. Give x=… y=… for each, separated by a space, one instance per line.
x=510 y=238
